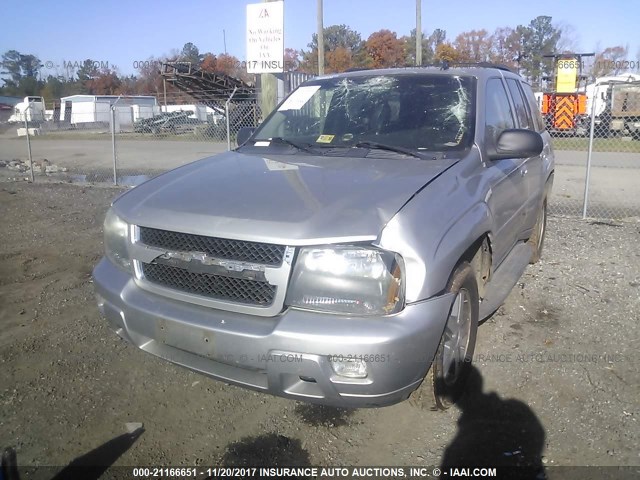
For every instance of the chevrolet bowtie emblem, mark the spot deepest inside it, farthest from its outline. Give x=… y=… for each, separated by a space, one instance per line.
x=202 y=263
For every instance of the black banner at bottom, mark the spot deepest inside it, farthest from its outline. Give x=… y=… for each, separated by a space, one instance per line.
x=320 y=473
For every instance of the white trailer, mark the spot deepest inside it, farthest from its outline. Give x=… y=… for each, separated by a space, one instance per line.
x=31 y=109
x=92 y=109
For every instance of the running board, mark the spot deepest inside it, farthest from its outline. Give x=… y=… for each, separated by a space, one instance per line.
x=504 y=279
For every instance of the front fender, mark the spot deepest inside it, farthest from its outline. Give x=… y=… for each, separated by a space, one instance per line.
x=464 y=232
x=432 y=250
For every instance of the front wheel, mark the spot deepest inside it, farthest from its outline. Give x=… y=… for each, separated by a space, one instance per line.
x=445 y=382
x=539 y=230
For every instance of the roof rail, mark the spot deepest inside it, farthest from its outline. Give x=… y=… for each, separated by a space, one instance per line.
x=357 y=69
x=445 y=65
x=498 y=66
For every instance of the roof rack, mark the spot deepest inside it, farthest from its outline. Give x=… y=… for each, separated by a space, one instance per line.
x=444 y=65
x=357 y=69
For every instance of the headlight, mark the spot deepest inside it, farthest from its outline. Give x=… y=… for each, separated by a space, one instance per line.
x=354 y=280
x=116 y=235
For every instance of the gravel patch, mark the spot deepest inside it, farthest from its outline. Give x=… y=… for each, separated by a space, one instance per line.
x=557 y=366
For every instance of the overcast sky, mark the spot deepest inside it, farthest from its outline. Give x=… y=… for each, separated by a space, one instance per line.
x=120 y=32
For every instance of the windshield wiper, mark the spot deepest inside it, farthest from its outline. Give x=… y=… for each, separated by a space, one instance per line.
x=304 y=148
x=390 y=148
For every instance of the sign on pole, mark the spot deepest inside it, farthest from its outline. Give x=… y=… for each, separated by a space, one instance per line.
x=265 y=37
x=567 y=73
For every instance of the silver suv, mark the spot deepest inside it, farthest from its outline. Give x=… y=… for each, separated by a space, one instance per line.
x=346 y=251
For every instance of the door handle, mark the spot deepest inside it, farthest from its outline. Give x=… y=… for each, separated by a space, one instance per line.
x=523 y=172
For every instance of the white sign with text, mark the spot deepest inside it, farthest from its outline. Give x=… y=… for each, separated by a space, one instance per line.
x=265 y=37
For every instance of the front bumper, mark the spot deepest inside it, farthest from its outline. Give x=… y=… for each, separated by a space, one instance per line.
x=286 y=355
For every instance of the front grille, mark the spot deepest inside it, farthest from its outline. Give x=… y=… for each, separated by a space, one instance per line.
x=254 y=252
x=214 y=286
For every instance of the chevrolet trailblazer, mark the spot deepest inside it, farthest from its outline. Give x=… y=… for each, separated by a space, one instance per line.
x=346 y=251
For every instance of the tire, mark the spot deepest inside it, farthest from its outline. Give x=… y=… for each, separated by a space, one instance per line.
x=445 y=381
x=539 y=231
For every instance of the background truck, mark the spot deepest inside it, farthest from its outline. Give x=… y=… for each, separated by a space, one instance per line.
x=619 y=112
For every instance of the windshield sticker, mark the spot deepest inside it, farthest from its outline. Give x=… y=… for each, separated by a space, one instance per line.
x=261 y=144
x=325 y=138
x=298 y=98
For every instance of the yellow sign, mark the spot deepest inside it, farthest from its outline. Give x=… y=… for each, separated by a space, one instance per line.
x=567 y=73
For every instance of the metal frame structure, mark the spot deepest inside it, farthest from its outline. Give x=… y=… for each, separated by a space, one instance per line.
x=209 y=88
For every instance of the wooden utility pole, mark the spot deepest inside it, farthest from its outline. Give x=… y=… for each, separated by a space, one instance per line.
x=268 y=89
x=320 y=39
x=418 y=32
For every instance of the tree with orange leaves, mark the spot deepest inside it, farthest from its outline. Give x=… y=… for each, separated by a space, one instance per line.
x=385 y=49
x=445 y=52
x=338 y=60
x=209 y=63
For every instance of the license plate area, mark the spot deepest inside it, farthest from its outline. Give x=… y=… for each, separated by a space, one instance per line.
x=186 y=337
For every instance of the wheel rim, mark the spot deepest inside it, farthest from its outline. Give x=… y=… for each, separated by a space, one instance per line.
x=456 y=337
x=543 y=224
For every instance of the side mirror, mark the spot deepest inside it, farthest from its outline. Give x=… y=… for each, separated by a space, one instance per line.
x=244 y=134
x=517 y=143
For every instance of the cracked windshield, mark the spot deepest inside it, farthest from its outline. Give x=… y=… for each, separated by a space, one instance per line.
x=404 y=113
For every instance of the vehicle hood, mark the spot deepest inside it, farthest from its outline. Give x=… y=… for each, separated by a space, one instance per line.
x=285 y=199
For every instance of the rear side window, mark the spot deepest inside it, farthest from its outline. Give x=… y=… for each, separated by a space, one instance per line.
x=533 y=105
x=522 y=111
x=498 y=116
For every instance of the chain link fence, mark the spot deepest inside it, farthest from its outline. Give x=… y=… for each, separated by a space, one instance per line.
x=598 y=162
x=120 y=140
x=171 y=135
x=126 y=141
x=71 y=150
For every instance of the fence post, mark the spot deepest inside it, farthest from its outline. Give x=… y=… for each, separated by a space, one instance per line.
x=226 y=114
x=589 y=153
x=113 y=144
x=26 y=127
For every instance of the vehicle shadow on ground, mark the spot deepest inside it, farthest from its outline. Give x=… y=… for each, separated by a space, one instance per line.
x=265 y=450
x=493 y=432
x=321 y=415
x=268 y=450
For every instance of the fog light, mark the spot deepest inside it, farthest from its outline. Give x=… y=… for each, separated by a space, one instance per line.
x=349 y=367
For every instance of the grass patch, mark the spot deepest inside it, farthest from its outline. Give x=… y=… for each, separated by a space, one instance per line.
x=599 y=144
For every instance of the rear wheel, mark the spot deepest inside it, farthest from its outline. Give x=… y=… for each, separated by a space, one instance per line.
x=446 y=379
x=539 y=230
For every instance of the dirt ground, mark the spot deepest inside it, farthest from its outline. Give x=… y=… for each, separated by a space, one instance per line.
x=557 y=377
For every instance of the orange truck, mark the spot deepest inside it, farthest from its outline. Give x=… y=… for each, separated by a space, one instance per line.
x=564 y=103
